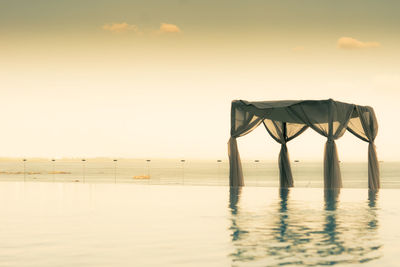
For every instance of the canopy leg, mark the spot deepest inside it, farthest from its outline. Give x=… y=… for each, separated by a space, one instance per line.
x=235 y=165
x=373 y=168
x=332 y=175
x=285 y=171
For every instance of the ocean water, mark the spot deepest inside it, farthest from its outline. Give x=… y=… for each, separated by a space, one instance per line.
x=51 y=224
x=95 y=213
x=190 y=172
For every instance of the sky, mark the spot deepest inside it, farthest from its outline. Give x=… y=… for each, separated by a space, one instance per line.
x=155 y=79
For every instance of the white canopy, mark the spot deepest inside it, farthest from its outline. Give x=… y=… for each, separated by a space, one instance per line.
x=285 y=120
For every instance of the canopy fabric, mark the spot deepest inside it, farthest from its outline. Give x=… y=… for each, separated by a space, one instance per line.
x=283 y=132
x=285 y=120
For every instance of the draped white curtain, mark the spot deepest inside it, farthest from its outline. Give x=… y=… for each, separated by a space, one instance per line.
x=285 y=120
x=242 y=122
x=283 y=132
x=330 y=119
x=364 y=125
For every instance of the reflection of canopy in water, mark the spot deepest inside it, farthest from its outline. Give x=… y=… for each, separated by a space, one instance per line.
x=285 y=120
x=288 y=232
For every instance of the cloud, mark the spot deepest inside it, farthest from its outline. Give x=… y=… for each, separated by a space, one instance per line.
x=120 y=27
x=169 y=28
x=349 y=43
x=165 y=28
x=298 y=48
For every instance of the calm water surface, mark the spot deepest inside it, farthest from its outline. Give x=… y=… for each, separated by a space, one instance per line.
x=190 y=172
x=74 y=224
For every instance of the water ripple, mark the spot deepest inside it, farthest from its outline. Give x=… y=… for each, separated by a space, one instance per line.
x=291 y=233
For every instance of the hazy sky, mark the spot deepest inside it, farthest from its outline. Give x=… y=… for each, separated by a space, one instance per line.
x=155 y=78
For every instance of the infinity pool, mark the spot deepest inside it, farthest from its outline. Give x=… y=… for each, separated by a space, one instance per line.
x=73 y=224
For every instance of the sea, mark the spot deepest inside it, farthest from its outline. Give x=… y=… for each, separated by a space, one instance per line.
x=154 y=212
x=186 y=172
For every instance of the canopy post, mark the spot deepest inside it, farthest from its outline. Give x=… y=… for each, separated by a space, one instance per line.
x=332 y=175
x=285 y=171
x=373 y=168
x=235 y=165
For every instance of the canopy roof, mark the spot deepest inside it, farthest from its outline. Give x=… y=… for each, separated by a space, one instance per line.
x=284 y=120
x=317 y=109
